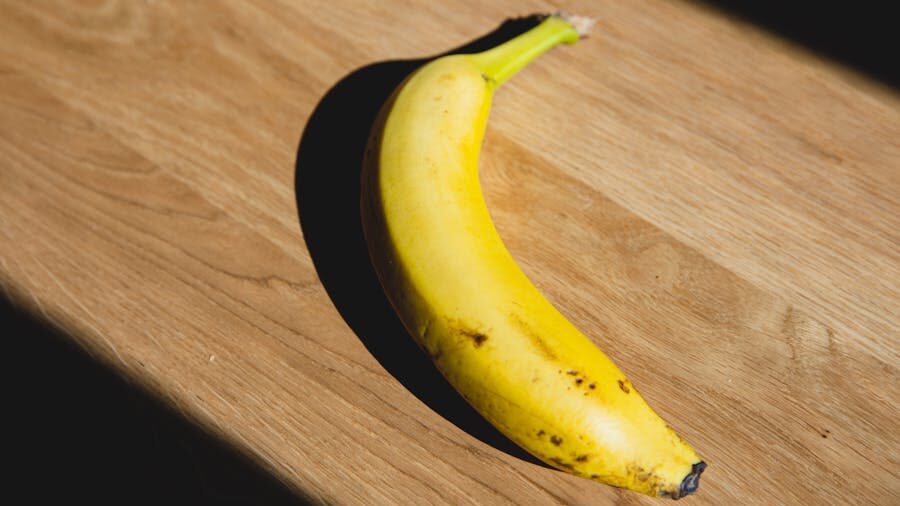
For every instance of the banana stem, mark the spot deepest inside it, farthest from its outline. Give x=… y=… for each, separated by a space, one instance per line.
x=502 y=62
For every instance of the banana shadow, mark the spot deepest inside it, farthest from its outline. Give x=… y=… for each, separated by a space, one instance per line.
x=327 y=189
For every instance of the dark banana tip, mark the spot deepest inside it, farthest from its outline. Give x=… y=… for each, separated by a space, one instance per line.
x=691 y=482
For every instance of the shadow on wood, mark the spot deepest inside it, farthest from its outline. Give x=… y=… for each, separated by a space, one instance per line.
x=329 y=160
x=79 y=432
x=862 y=35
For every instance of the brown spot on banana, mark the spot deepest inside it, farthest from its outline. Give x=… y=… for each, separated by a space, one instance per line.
x=477 y=337
x=533 y=336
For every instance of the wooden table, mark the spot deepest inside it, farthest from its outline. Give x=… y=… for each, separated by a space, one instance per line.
x=718 y=209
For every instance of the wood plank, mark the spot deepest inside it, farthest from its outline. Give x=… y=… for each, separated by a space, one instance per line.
x=718 y=209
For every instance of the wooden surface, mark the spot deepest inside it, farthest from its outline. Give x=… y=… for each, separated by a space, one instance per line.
x=718 y=209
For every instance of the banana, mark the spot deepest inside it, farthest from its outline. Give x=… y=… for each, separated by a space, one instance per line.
x=461 y=295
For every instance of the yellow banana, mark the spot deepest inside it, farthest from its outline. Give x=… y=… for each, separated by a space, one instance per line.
x=461 y=295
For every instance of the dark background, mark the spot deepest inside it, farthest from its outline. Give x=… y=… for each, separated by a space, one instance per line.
x=79 y=433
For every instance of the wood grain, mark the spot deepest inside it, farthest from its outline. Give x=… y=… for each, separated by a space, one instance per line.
x=719 y=209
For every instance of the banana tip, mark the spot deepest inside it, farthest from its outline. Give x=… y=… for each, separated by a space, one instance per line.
x=581 y=24
x=691 y=482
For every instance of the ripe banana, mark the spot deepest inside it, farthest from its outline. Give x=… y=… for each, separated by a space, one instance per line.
x=461 y=295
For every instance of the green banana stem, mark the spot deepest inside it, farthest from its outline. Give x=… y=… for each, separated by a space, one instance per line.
x=502 y=62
